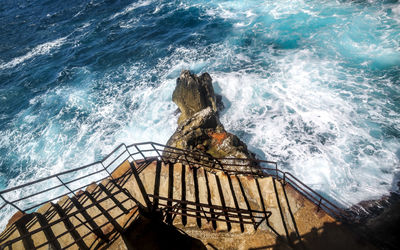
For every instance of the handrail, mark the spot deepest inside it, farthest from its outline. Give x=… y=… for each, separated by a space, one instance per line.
x=149 y=150
x=285 y=177
x=61 y=173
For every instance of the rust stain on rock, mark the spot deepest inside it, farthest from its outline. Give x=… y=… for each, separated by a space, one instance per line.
x=218 y=137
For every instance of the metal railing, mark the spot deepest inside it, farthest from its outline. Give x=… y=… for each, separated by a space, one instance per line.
x=31 y=196
x=145 y=151
x=28 y=197
x=254 y=167
x=64 y=183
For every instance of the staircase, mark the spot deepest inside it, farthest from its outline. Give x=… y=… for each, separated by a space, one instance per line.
x=216 y=201
x=201 y=197
x=89 y=219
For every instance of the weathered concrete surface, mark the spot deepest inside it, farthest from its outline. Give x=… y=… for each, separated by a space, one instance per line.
x=75 y=218
x=300 y=224
x=294 y=223
x=241 y=241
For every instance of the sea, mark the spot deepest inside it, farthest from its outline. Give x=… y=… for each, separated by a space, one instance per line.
x=311 y=84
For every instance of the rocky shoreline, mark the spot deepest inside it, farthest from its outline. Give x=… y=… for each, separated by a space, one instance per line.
x=378 y=220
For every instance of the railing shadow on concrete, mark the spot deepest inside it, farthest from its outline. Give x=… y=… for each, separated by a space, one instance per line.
x=28 y=197
x=24 y=200
x=253 y=167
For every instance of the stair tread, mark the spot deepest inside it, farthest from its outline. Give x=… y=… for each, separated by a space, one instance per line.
x=17 y=245
x=216 y=200
x=132 y=187
x=285 y=210
x=164 y=180
x=251 y=194
x=78 y=220
x=117 y=196
x=60 y=228
x=229 y=199
x=270 y=204
x=240 y=199
x=147 y=177
x=203 y=198
x=190 y=196
x=177 y=190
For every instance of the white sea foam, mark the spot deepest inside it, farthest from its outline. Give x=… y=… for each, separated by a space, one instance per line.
x=305 y=115
x=42 y=49
x=131 y=8
x=129 y=23
x=98 y=121
x=298 y=119
x=314 y=116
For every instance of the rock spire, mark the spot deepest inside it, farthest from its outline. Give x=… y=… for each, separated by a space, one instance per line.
x=199 y=127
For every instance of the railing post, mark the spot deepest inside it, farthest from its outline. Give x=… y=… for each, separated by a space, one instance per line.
x=65 y=185
x=130 y=154
x=155 y=149
x=284 y=178
x=12 y=204
x=140 y=152
x=186 y=159
x=319 y=204
x=107 y=172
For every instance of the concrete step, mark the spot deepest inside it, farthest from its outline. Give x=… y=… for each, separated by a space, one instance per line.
x=69 y=230
x=285 y=212
x=164 y=178
x=221 y=226
x=148 y=177
x=133 y=188
x=169 y=192
x=27 y=225
x=190 y=191
x=230 y=199
x=87 y=221
x=115 y=198
x=203 y=198
x=275 y=222
x=13 y=235
x=178 y=180
x=251 y=194
x=242 y=202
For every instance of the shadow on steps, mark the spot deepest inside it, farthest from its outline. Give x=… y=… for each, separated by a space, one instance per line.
x=151 y=233
x=333 y=236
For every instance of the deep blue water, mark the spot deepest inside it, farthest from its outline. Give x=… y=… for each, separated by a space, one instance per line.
x=312 y=84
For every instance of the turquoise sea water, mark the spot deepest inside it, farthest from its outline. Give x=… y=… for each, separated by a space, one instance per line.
x=314 y=85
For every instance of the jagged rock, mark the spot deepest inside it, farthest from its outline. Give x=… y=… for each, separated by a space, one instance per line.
x=220 y=104
x=378 y=220
x=199 y=127
x=203 y=131
x=193 y=93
